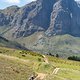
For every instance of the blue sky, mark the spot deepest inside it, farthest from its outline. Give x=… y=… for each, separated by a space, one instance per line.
x=6 y=3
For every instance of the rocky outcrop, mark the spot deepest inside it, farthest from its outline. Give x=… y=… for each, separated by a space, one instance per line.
x=35 y=17
x=65 y=18
x=7 y=15
x=51 y=16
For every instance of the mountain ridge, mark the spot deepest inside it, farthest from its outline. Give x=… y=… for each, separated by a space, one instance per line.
x=42 y=25
x=51 y=16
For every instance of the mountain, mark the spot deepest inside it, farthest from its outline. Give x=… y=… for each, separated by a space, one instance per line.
x=50 y=27
x=65 y=18
x=51 y=16
x=63 y=45
x=46 y=26
x=6 y=15
x=10 y=44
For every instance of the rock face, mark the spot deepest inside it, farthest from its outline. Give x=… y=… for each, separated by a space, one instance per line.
x=65 y=18
x=51 y=16
x=6 y=15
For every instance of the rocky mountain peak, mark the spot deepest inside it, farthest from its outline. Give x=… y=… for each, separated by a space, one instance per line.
x=51 y=16
x=62 y=18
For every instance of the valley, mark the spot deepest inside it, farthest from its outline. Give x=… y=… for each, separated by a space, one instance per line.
x=40 y=40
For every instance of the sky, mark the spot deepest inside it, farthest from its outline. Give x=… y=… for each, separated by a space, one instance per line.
x=7 y=3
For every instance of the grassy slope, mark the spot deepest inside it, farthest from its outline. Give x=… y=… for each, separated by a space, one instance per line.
x=6 y=43
x=64 y=45
x=69 y=70
x=22 y=64
x=12 y=69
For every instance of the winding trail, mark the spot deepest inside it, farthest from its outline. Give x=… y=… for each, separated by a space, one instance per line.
x=45 y=59
x=55 y=71
x=41 y=76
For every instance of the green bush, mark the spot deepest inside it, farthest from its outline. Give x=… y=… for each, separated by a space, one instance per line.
x=39 y=59
x=75 y=58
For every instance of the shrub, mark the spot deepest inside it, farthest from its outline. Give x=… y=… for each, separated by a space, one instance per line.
x=0 y=51
x=39 y=59
x=57 y=55
x=75 y=58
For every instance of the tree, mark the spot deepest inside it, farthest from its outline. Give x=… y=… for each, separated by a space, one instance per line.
x=57 y=55
x=75 y=58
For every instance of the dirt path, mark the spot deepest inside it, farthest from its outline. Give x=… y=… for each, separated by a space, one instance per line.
x=45 y=59
x=55 y=71
x=41 y=76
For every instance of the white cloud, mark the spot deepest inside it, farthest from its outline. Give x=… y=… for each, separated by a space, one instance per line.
x=28 y=1
x=12 y=1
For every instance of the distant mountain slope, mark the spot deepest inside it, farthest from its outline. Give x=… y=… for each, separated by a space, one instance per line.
x=54 y=17
x=64 y=45
x=6 y=43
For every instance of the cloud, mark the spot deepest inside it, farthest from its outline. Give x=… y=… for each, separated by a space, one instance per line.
x=13 y=1
x=28 y=1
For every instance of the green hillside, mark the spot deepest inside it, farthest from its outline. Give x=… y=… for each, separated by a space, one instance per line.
x=21 y=65
x=11 y=44
x=64 y=45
